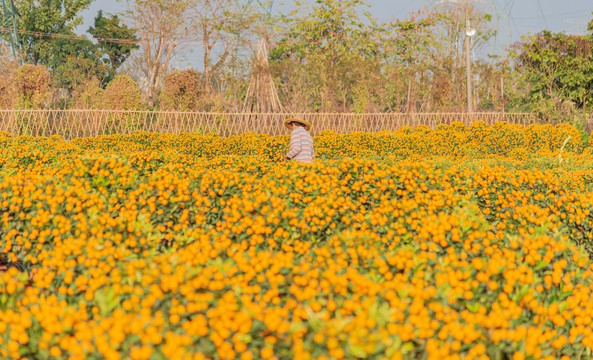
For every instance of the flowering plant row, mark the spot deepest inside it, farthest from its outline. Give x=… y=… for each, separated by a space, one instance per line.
x=134 y=247
x=478 y=141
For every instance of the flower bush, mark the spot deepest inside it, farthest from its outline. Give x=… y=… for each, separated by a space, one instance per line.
x=149 y=246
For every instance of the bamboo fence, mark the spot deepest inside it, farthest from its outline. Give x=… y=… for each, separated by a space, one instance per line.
x=91 y=123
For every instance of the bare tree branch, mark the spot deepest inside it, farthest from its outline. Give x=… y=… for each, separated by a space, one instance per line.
x=223 y=26
x=163 y=29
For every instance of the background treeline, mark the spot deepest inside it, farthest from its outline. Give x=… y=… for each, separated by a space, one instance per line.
x=325 y=56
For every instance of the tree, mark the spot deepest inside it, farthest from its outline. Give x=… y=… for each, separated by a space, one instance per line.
x=450 y=25
x=222 y=26
x=47 y=16
x=406 y=64
x=162 y=26
x=74 y=62
x=116 y=52
x=71 y=59
x=558 y=70
x=449 y=45
x=334 y=47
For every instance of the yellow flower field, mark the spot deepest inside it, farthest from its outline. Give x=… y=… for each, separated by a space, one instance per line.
x=456 y=243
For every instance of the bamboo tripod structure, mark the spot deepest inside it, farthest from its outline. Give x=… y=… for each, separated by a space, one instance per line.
x=262 y=95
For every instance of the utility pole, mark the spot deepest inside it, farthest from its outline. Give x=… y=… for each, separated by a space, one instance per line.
x=8 y=24
x=469 y=32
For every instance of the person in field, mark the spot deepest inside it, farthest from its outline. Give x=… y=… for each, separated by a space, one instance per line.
x=301 y=142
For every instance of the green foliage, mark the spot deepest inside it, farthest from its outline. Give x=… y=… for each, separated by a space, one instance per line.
x=47 y=16
x=331 y=56
x=406 y=47
x=122 y=94
x=116 y=53
x=74 y=62
x=333 y=50
x=334 y=46
x=558 y=69
x=409 y=40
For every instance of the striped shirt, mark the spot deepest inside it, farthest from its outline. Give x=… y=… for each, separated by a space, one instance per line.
x=301 y=146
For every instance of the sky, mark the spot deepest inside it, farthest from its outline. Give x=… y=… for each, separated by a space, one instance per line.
x=513 y=18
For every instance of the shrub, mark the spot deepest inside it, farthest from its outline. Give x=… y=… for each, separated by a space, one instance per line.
x=88 y=95
x=122 y=94
x=181 y=91
x=32 y=86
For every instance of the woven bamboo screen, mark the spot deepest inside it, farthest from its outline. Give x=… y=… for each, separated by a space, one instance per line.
x=86 y=123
